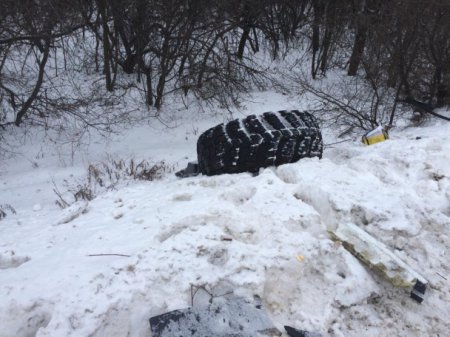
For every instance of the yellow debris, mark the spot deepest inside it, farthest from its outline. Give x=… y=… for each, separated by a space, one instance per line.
x=375 y=136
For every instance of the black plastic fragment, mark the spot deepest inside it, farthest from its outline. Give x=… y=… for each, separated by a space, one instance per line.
x=191 y=170
x=224 y=317
x=418 y=291
x=300 y=333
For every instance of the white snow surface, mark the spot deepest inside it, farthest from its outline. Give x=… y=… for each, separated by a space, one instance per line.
x=104 y=267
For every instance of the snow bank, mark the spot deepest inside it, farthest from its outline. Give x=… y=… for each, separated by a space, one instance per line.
x=103 y=268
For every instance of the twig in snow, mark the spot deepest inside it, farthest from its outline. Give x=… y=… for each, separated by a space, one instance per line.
x=342 y=141
x=124 y=255
x=441 y=276
x=61 y=202
x=196 y=288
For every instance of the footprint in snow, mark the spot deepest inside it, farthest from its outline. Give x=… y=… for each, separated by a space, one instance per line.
x=182 y=197
x=239 y=195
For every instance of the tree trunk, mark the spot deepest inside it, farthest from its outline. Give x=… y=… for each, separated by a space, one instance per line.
x=106 y=45
x=246 y=25
x=440 y=88
x=205 y=59
x=358 y=48
x=24 y=109
x=315 y=43
x=148 y=75
x=242 y=42
x=330 y=31
x=326 y=46
x=161 y=84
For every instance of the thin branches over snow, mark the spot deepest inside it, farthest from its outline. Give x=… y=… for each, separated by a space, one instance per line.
x=348 y=102
x=141 y=51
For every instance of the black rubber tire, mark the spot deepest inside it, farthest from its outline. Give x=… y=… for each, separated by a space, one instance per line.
x=245 y=145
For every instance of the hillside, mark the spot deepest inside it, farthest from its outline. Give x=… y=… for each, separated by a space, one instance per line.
x=104 y=267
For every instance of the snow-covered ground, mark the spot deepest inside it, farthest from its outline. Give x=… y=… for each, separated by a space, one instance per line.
x=103 y=268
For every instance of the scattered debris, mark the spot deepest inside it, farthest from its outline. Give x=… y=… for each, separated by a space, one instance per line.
x=223 y=316
x=379 y=258
x=300 y=333
x=4 y=208
x=72 y=212
x=191 y=170
x=377 y=135
x=9 y=259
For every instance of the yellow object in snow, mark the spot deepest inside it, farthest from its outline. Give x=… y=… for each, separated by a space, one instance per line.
x=375 y=136
x=378 y=257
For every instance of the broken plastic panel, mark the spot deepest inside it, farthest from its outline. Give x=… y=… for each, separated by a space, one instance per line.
x=227 y=316
x=379 y=258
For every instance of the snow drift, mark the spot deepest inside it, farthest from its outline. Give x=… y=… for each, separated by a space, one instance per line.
x=104 y=268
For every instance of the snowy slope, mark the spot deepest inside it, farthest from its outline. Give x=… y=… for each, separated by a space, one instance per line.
x=133 y=253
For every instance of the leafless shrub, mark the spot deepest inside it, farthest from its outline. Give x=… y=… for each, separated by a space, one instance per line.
x=350 y=103
x=107 y=175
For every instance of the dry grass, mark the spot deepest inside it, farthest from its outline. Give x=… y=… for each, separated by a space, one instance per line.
x=105 y=176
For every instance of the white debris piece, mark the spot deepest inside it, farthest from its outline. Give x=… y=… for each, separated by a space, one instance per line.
x=375 y=254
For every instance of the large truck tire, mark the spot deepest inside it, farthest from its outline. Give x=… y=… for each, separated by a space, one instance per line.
x=271 y=139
